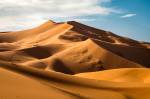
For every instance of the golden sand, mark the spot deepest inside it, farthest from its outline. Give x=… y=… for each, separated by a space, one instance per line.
x=72 y=61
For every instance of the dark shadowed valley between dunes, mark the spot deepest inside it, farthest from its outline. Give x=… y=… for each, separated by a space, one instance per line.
x=72 y=61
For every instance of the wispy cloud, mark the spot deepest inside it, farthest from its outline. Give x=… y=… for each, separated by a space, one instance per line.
x=78 y=19
x=55 y=8
x=128 y=15
x=45 y=9
x=84 y=20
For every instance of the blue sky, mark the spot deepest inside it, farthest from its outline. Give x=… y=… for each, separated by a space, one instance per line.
x=130 y=18
x=136 y=26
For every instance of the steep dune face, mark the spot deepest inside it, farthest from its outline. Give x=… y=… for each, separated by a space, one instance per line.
x=72 y=61
x=103 y=35
x=127 y=48
x=80 y=58
x=138 y=55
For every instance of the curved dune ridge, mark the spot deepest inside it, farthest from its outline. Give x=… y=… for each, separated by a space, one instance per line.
x=71 y=60
x=120 y=75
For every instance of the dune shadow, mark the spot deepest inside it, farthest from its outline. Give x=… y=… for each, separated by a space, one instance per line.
x=59 y=66
x=37 y=52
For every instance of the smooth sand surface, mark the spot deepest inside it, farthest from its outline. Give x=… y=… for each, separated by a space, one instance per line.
x=72 y=61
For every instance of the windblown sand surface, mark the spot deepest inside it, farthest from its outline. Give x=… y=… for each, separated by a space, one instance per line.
x=72 y=61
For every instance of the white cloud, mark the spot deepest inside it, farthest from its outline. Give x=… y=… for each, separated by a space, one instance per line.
x=128 y=15
x=19 y=11
x=20 y=22
x=77 y=19
x=84 y=20
x=55 y=8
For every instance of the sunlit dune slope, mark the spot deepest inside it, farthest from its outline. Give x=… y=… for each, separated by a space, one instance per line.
x=70 y=60
x=120 y=75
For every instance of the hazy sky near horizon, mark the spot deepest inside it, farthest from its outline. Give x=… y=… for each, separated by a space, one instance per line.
x=130 y=18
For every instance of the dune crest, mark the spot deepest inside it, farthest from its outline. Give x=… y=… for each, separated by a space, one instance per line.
x=72 y=61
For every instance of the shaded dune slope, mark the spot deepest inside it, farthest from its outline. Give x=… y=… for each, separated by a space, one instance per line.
x=72 y=61
x=127 y=48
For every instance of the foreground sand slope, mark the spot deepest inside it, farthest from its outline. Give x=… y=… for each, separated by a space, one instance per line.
x=120 y=75
x=30 y=81
x=72 y=61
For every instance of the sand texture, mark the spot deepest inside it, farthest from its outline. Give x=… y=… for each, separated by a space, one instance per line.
x=70 y=60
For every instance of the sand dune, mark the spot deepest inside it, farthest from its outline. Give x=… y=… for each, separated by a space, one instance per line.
x=72 y=61
x=120 y=75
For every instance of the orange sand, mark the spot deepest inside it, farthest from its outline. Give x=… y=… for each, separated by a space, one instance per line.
x=72 y=61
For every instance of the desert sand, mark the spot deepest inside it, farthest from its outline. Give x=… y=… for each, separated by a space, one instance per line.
x=70 y=60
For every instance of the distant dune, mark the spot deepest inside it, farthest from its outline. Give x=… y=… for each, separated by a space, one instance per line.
x=72 y=61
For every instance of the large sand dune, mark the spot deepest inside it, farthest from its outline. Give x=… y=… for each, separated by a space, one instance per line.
x=72 y=61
